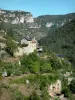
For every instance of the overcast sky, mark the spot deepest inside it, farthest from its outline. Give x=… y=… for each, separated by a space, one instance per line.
x=40 y=7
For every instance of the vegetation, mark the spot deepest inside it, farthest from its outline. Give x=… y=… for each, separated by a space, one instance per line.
x=62 y=41
x=39 y=85
x=22 y=29
x=40 y=73
x=32 y=72
x=34 y=64
x=11 y=46
x=72 y=86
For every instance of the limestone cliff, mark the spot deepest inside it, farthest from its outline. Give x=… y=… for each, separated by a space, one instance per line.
x=16 y=17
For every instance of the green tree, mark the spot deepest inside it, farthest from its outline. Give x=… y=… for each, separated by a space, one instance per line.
x=11 y=46
x=45 y=67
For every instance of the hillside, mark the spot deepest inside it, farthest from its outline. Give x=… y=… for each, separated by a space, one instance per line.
x=62 y=41
x=53 y=22
x=32 y=78
x=33 y=74
x=21 y=23
x=58 y=20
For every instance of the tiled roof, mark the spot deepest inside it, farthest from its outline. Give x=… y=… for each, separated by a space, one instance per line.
x=28 y=38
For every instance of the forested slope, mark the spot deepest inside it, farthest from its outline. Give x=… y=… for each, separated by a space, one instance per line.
x=62 y=41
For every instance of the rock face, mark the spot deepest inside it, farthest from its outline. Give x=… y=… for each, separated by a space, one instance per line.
x=29 y=18
x=15 y=21
x=22 y=23
x=16 y=17
x=49 y=24
x=55 y=88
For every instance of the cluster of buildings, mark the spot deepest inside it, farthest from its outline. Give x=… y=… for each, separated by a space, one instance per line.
x=28 y=45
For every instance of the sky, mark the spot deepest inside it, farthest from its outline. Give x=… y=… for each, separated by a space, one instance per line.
x=40 y=7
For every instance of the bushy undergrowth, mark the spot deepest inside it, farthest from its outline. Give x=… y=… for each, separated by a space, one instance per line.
x=33 y=64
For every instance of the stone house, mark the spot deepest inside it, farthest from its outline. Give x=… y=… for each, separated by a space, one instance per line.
x=28 y=46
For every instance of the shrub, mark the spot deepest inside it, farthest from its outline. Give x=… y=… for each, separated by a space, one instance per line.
x=72 y=86
x=66 y=92
x=19 y=96
x=34 y=96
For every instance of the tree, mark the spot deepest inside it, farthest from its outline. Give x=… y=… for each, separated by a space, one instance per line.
x=45 y=67
x=11 y=46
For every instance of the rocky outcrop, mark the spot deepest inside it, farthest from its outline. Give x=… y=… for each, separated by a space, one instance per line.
x=49 y=24
x=29 y=18
x=15 y=21
x=34 y=26
x=55 y=88
x=25 y=24
x=16 y=17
